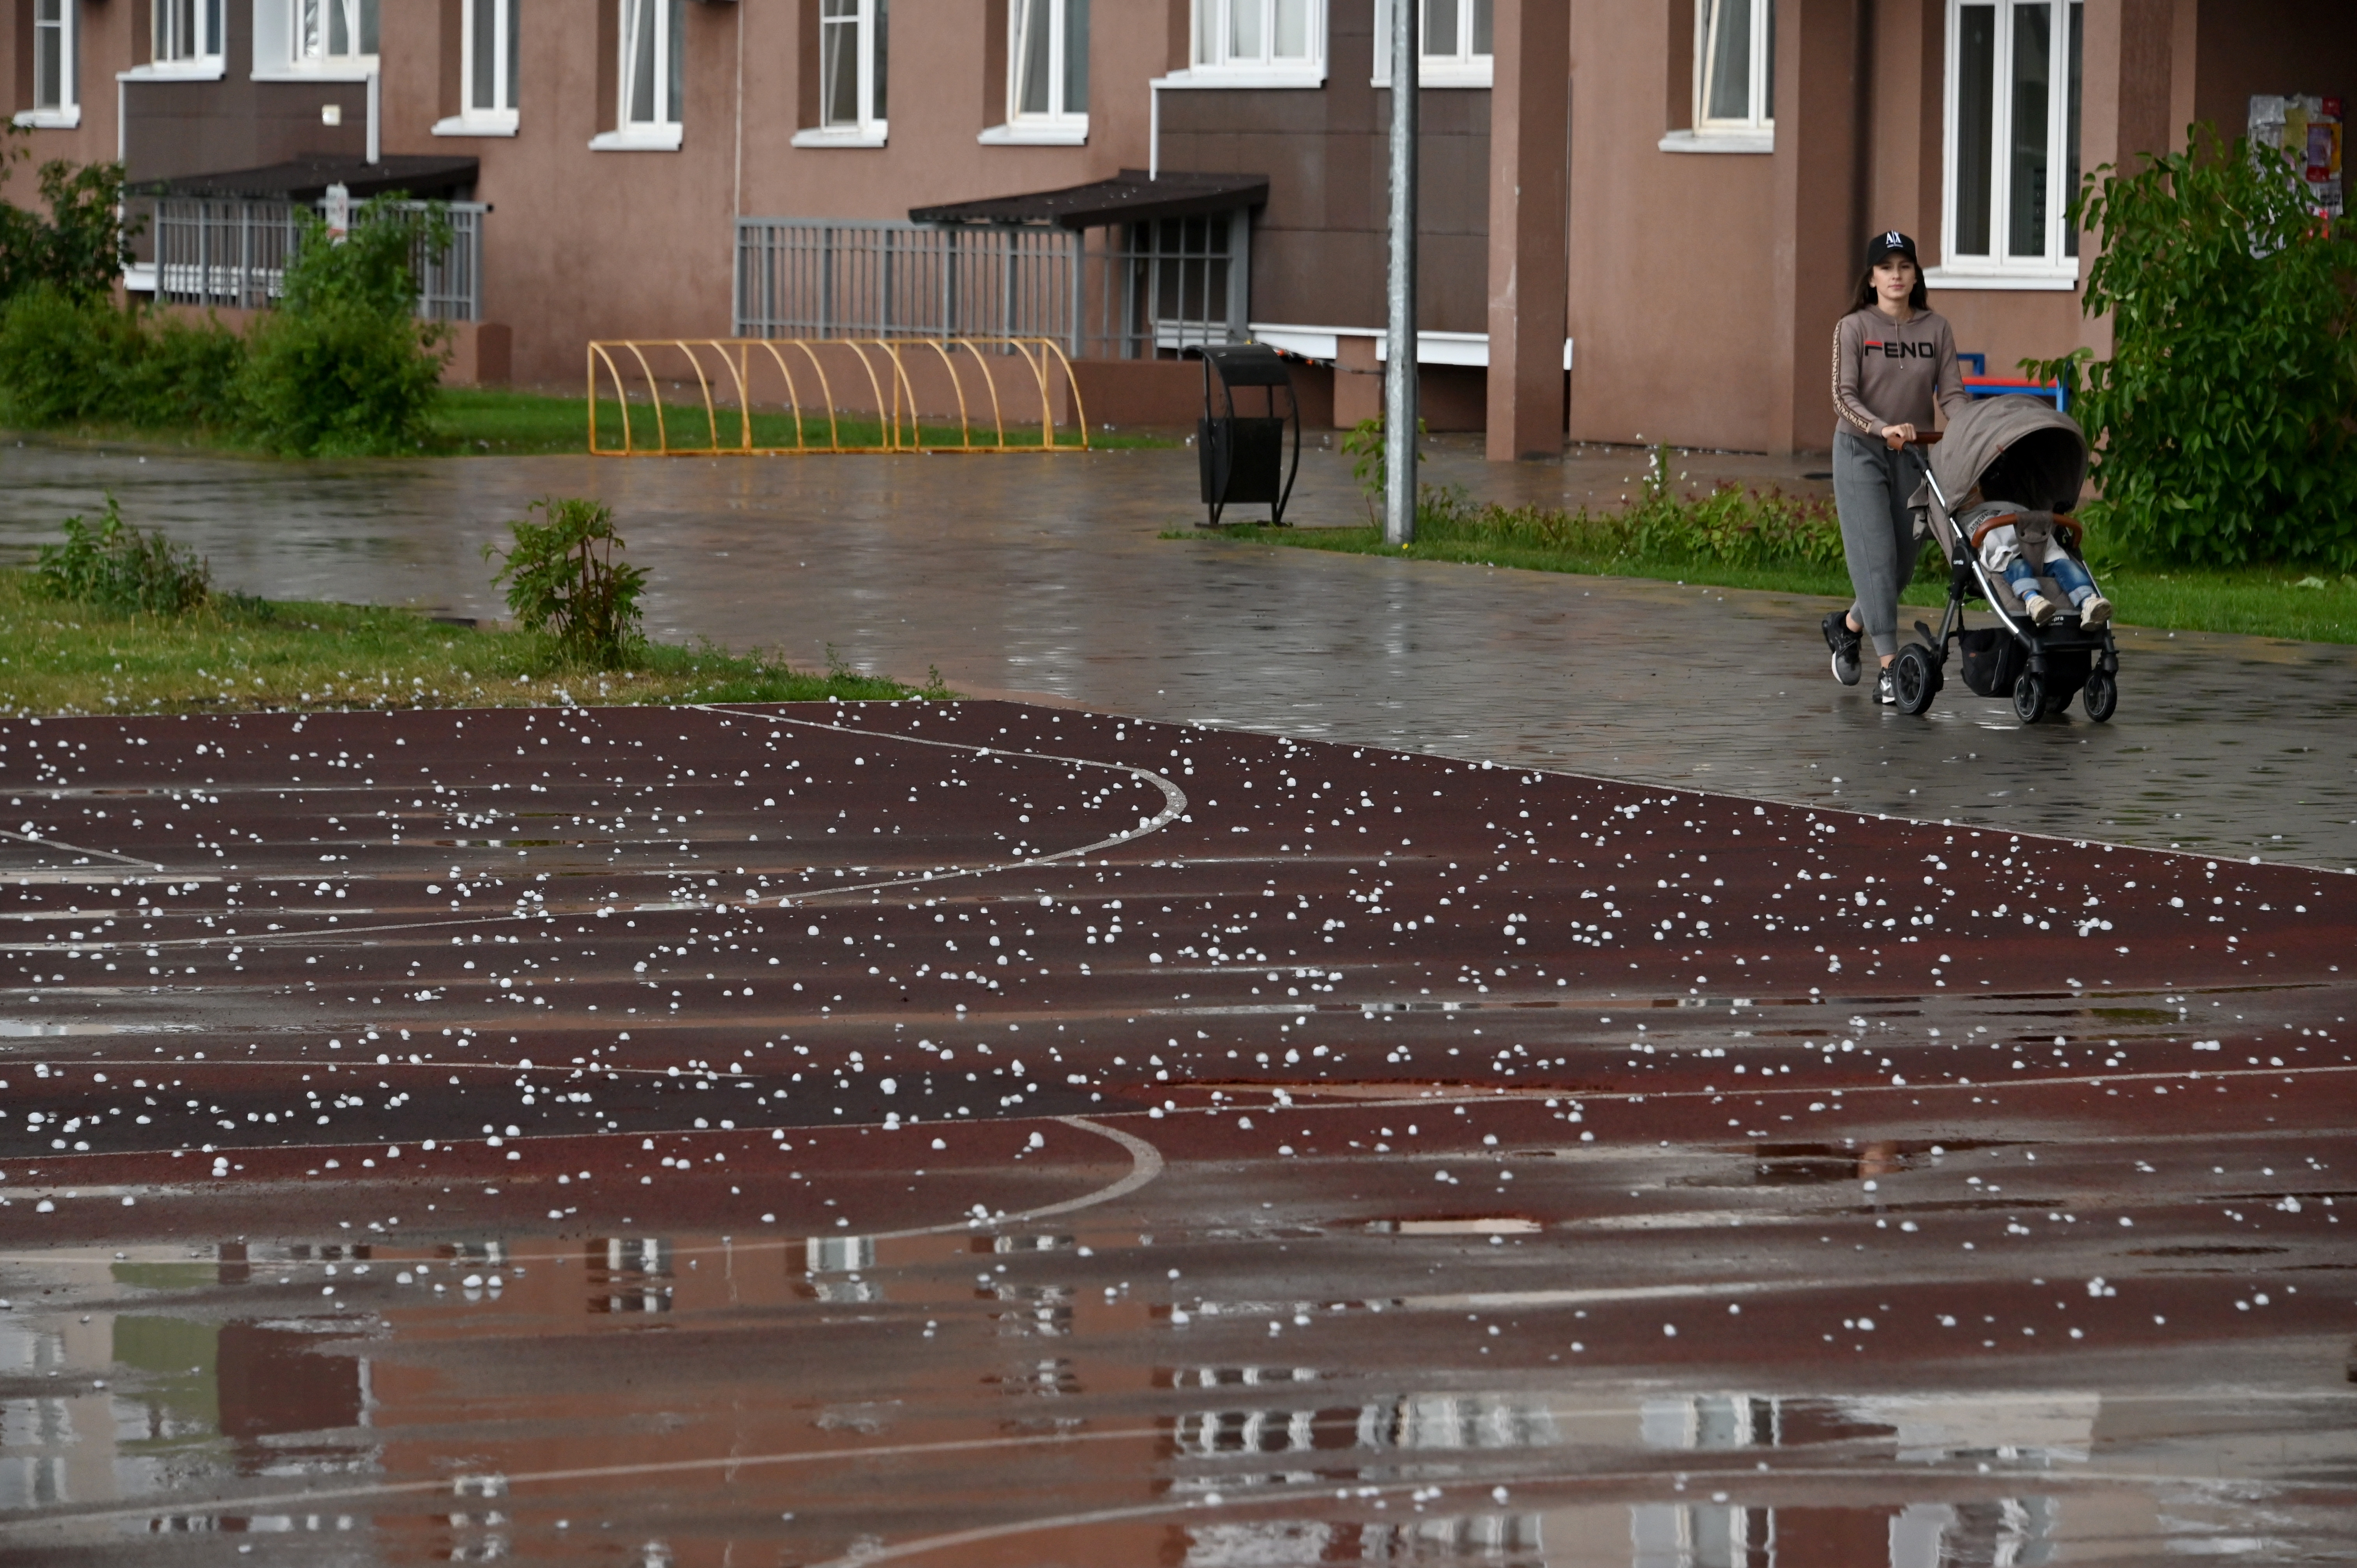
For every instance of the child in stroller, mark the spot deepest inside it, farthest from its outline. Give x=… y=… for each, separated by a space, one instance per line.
x=2022 y=543
x=1998 y=485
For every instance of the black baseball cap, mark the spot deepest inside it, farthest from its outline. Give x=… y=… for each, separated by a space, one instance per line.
x=1889 y=242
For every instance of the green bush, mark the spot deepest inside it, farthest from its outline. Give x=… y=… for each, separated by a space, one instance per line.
x=82 y=247
x=64 y=361
x=562 y=580
x=342 y=367
x=339 y=382
x=2222 y=419
x=118 y=567
x=1731 y=526
x=187 y=374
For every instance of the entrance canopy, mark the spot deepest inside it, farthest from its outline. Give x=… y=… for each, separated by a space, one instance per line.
x=1128 y=198
x=307 y=180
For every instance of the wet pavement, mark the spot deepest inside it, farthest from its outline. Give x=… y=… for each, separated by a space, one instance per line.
x=985 y=1133
x=1044 y=576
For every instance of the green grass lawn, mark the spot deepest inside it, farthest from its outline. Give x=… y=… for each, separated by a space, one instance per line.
x=64 y=657
x=495 y=420
x=2252 y=601
x=476 y=422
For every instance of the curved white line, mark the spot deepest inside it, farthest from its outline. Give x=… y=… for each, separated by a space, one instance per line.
x=1174 y=805
x=1145 y=1163
x=1174 y=802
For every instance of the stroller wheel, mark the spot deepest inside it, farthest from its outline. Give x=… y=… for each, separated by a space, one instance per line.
x=2099 y=695
x=2029 y=697
x=1914 y=679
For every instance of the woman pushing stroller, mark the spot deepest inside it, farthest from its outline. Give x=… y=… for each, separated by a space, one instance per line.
x=1894 y=364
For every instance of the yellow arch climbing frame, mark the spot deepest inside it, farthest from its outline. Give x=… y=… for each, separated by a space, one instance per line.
x=793 y=396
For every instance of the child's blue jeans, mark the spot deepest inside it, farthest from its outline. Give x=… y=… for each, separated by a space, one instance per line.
x=2068 y=574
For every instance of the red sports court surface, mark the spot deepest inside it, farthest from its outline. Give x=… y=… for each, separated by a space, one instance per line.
x=982 y=1134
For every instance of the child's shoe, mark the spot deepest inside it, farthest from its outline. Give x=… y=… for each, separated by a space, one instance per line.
x=2041 y=608
x=2095 y=611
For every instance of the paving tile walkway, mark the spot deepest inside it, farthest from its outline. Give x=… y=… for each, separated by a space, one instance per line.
x=1046 y=577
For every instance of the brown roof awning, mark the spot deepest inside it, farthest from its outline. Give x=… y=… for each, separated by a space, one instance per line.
x=307 y=180
x=1128 y=198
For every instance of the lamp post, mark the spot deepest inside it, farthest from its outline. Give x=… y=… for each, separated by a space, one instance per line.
x=1399 y=384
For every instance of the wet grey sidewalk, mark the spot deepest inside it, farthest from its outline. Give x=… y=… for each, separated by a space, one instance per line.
x=1044 y=575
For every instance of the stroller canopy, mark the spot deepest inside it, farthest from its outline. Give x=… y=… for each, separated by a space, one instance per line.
x=2016 y=448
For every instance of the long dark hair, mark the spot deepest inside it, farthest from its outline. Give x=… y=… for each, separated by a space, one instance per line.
x=1862 y=296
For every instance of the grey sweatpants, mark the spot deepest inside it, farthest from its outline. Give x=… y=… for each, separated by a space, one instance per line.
x=1871 y=484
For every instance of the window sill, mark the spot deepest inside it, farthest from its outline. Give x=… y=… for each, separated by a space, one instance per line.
x=357 y=70
x=1071 y=132
x=1447 y=74
x=841 y=135
x=493 y=124
x=1230 y=76
x=209 y=70
x=637 y=139
x=1720 y=142
x=1949 y=277
x=65 y=119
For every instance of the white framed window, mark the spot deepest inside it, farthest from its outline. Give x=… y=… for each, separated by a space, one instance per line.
x=489 y=53
x=1734 y=80
x=2011 y=152
x=332 y=40
x=853 y=74
x=1458 y=50
x=334 y=32
x=651 y=78
x=185 y=32
x=1734 y=65
x=1256 y=43
x=57 y=45
x=1047 y=73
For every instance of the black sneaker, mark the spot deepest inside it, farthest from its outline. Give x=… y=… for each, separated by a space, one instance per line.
x=1882 y=689
x=1844 y=642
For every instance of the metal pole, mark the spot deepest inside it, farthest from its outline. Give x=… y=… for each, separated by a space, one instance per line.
x=1399 y=384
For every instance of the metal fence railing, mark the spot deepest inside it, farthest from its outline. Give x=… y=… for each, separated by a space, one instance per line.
x=1121 y=291
x=234 y=253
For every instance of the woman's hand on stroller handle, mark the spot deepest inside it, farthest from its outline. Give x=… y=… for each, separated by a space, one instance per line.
x=1898 y=435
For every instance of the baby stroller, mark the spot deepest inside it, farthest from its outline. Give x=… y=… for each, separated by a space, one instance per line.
x=2022 y=450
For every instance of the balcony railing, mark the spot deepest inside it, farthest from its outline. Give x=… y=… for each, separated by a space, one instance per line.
x=234 y=253
x=1142 y=290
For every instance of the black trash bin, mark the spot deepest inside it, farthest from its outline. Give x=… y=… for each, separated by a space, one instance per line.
x=1243 y=452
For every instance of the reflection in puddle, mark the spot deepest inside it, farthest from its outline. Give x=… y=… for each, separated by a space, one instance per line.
x=629 y=1275
x=1668 y=1535
x=1499 y=1540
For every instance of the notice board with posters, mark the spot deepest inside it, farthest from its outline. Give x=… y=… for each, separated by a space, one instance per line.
x=2307 y=131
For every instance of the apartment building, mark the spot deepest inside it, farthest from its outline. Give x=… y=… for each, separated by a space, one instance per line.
x=1641 y=218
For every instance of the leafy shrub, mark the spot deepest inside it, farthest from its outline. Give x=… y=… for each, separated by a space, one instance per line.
x=82 y=247
x=339 y=382
x=1370 y=462
x=64 y=360
x=562 y=580
x=187 y=374
x=116 y=565
x=1732 y=526
x=2222 y=419
x=342 y=367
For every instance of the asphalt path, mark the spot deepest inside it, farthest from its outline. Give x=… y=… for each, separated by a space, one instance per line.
x=1046 y=577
